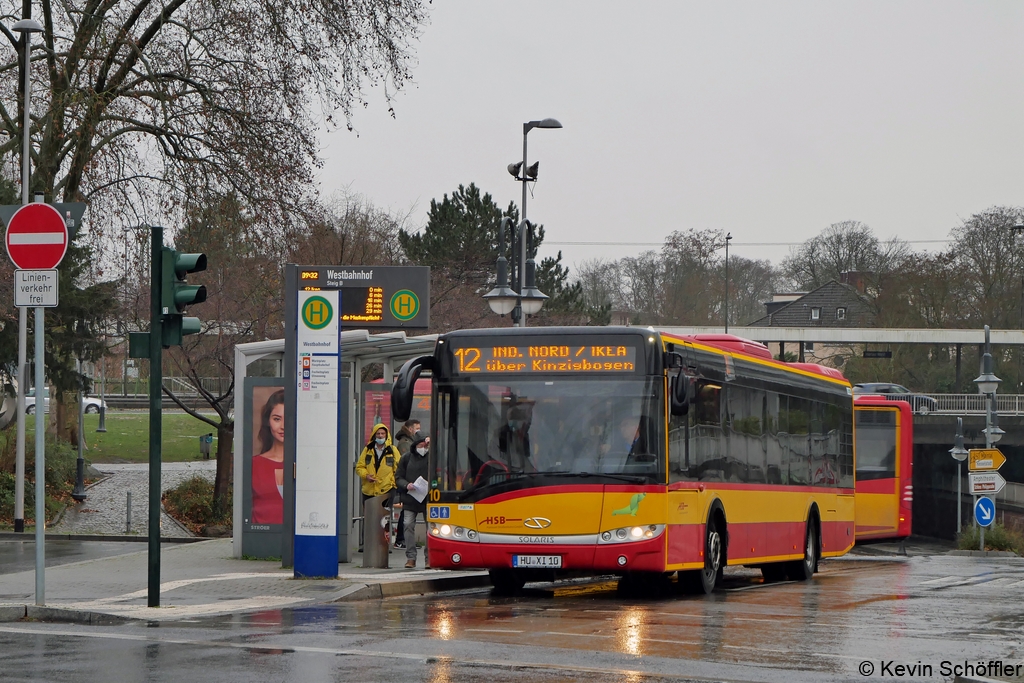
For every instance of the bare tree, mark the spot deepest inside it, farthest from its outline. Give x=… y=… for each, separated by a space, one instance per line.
x=142 y=106
x=849 y=246
x=988 y=257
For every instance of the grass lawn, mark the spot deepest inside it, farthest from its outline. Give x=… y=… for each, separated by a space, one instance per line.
x=127 y=437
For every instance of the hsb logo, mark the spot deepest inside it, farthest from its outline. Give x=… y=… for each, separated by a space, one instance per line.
x=493 y=520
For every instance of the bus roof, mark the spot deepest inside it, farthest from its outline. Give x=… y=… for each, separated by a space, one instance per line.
x=748 y=347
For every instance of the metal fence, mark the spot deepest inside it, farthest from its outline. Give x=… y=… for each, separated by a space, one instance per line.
x=960 y=404
x=179 y=385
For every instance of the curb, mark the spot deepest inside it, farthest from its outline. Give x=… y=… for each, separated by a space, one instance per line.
x=395 y=589
x=30 y=536
x=9 y=613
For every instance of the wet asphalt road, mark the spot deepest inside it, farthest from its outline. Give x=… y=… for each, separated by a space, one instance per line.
x=858 y=615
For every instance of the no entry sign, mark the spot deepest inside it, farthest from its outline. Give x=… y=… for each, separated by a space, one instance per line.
x=37 y=237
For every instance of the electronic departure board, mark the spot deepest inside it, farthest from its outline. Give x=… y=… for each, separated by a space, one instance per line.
x=362 y=304
x=374 y=296
x=576 y=358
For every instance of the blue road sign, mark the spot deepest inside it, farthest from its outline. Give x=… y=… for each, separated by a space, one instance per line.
x=985 y=511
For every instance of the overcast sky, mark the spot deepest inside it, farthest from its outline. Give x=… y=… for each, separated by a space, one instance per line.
x=770 y=120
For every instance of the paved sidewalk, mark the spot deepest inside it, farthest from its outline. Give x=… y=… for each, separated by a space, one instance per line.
x=200 y=579
x=105 y=509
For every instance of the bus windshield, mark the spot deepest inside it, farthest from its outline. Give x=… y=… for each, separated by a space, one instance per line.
x=494 y=430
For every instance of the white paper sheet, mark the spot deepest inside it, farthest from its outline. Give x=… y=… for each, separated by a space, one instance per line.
x=419 y=489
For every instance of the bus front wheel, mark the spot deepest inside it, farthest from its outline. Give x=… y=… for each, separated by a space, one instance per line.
x=507 y=580
x=705 y=580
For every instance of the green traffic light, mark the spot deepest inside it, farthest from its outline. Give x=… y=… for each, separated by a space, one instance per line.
x=189 y=263
x=176 y=294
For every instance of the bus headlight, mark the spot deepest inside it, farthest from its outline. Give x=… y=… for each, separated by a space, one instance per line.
x=632 y=533
x=454 y=533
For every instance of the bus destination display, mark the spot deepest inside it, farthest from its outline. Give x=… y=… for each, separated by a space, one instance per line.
x=574 y=359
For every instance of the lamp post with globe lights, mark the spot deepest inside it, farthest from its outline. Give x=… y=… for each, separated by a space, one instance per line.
x=528 y=300
x=988 y=383
x=26 y=27
x=959 y=454
x=525 y=299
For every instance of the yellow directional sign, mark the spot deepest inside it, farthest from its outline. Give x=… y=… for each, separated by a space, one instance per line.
x=985 y=459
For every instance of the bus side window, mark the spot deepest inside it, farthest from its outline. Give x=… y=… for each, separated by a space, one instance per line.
x=707 y=435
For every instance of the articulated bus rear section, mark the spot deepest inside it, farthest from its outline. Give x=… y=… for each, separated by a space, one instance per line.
x=885 y=448
x=629 y=451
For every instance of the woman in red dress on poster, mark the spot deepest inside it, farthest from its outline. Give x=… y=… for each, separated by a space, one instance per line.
x=268 y=466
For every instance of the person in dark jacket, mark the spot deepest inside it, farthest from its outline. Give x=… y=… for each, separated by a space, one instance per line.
x=403 y=439
x=412 y=467
x=405 y=435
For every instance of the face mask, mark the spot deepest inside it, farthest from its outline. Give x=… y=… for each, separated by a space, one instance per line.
x=514 y=424
x=380 y=440
x=421 y=451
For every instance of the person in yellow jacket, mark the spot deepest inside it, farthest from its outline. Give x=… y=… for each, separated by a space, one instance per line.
x=377 y=464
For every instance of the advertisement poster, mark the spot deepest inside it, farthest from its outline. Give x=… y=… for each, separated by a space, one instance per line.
x=267 y=465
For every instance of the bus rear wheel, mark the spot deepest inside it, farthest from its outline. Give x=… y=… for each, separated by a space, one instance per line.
x=705 y=580
x=803 y=570
x=507 y=581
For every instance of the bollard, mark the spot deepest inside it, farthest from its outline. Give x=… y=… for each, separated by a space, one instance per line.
x=376 y=548
x=128 y=523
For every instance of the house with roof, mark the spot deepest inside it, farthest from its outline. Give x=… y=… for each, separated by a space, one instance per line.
x=834 y=304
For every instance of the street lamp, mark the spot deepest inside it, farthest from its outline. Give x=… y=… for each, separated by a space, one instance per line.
x=531 y=299
x=728 y=238
x=503 y=299
x=26 y=27
x=987 y=384
x=79 y=493
x=959 y=454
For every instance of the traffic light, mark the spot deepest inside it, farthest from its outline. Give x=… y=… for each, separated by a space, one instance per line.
x=176 y=294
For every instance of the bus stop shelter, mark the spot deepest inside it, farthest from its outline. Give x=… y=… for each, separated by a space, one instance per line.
x=359 y=348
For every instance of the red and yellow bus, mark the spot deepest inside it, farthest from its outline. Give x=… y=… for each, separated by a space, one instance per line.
x=630 y=451
x=885 y=447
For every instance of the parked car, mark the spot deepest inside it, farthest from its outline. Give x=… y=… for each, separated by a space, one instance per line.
x=918 y=402
x=92 y=404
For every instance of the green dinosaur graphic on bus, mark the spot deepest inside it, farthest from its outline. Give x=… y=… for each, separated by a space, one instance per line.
x=634 y=504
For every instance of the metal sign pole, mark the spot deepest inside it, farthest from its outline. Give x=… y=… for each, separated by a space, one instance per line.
x=26 y=162
x=40 y=462
x=155 y=416
x=19 y=462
